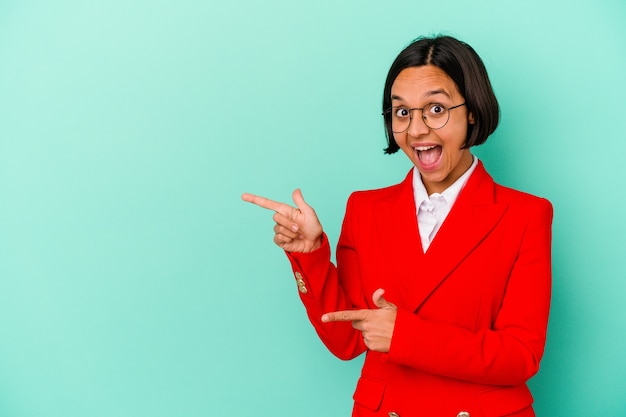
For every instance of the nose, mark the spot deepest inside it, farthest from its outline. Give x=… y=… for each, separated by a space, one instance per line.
x=417 y=126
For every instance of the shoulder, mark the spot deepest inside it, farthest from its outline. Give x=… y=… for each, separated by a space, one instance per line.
x=386 y=194
x=517 y=197
x=380 y=200
x=522 y=202
x=376 y=193
x=485 y=185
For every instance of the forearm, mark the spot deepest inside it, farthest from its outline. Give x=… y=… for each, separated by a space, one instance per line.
x=321 y=292
x=498 y=357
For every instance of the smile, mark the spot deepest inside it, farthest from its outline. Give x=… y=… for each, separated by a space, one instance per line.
x=425 y=148
x=429 y=155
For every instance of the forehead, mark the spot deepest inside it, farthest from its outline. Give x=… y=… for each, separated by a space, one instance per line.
x=423 y=82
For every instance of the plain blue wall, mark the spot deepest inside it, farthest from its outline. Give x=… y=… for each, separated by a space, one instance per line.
x=134 y=282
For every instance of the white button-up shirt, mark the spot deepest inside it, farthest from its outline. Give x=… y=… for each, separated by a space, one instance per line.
x=432 y=210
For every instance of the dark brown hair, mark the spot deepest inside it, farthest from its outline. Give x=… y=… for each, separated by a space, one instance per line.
x=465 y=68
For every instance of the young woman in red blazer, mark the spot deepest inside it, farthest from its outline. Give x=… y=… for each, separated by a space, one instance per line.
x=442 y=280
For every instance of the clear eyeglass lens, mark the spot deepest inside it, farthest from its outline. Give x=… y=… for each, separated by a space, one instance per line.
x=435 y=116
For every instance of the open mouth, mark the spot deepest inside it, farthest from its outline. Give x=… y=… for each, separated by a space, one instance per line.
x=429 y=155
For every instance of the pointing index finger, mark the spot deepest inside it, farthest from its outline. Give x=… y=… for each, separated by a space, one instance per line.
x=263 y=202
x=346 y=315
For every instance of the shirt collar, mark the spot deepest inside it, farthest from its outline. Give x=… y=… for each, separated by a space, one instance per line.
x=450 y=194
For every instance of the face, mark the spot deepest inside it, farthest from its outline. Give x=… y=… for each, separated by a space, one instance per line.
x=437 y=154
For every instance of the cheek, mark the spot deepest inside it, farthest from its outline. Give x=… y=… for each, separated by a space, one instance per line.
x=400 y=140
x=457 y=137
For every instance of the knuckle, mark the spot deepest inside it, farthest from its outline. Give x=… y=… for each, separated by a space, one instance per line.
x=280 y=239
x=367 y=343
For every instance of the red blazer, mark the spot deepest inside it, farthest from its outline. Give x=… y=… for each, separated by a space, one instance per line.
x=472 y=310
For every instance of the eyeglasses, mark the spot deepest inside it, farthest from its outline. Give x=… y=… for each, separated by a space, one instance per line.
x=434 y=115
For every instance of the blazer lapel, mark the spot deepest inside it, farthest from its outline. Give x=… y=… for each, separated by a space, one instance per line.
x=472 y=217
x=398 y=237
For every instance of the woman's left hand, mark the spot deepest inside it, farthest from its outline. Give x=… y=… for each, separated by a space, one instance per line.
x=376 y=325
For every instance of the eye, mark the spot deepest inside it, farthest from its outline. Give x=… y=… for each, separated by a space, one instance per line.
x=436 y=109
x=401 y=112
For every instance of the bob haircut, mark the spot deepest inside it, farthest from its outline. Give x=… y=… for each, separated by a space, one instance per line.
x=463 y=65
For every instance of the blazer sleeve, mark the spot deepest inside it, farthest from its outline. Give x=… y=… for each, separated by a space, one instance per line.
x=509 y=352
x=326 y=288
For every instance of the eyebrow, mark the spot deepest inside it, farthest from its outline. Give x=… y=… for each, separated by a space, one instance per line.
x=435 y=92
x=428 y=94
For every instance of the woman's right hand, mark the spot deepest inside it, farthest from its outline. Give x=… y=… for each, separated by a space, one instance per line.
x=297 y=228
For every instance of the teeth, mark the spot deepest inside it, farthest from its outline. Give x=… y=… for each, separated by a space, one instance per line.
x=424 y=148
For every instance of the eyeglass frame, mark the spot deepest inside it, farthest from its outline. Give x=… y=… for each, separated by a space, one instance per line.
x=390 y=109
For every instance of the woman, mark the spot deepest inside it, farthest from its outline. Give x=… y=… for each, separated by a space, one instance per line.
x=444 y=279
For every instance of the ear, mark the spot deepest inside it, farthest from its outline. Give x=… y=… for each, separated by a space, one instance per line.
x=470 y=118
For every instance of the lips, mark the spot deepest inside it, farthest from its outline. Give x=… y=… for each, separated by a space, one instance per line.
x=428 y=155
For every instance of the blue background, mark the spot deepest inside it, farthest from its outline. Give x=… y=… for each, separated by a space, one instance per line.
x=133 y=280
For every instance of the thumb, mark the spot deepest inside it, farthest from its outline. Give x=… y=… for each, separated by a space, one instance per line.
x=299 y=200
x=380 y=301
